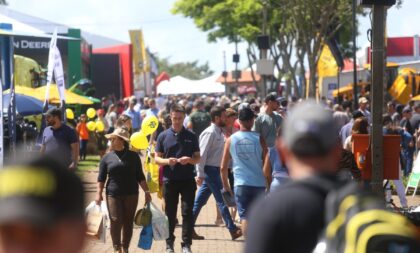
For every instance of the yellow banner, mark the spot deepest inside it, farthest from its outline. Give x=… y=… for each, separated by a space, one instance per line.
x=327 y=66
x=400 y=90
x=139 y=52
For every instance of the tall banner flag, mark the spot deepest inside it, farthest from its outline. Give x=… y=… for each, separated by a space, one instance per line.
x=139 y=51
x=140 y=61
x=59 y=79
x=11 y=109
x=51 y=64
x=55 y=69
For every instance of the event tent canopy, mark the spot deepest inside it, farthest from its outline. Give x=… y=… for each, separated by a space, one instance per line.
x=181 y=85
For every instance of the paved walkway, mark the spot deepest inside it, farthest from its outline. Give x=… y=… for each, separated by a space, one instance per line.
x=217 y=238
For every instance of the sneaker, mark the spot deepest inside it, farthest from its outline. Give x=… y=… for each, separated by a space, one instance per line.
x=186 y=249
x=195 y=236
x=236 y=233
x=169 y=249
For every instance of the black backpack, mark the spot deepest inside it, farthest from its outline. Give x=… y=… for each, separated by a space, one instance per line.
x=356 y=221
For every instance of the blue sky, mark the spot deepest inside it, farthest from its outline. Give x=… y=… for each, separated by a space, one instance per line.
x=175 y=36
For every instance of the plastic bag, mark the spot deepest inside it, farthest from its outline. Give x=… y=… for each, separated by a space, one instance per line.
x=96 y=219
x=152 y=169
x=143 y=216
x=160 y=224
x=146 y=238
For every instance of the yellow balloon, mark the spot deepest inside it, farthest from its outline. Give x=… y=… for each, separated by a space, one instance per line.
x=100 y=127
x=149 y=125
x=91 y=126
x=139 y=141
x=69 y=114
x=91 y=113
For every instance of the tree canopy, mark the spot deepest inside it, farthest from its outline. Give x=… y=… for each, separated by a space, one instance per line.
x=192 y=70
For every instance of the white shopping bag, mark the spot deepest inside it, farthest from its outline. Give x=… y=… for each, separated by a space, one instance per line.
x=160 y=224
x=96 y=219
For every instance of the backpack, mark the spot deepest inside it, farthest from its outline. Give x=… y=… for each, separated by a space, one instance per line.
x=357 y=222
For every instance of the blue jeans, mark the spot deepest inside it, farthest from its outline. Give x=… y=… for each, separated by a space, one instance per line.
x=83 y=149
x=408 y=157
x=277 y=182
x=212 y=185
x=245 y=195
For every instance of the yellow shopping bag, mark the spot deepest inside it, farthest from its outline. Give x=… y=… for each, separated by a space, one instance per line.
x=152 y=170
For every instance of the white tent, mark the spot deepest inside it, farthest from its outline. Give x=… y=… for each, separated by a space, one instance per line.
x=19 y=26
x=181 y=85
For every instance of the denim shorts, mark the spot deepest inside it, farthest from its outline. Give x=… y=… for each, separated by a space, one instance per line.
x=277 y=182
x=244 y=196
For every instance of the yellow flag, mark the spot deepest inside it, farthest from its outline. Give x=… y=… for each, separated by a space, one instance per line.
x=139 y=52
x=400 y=91
x=327 y=66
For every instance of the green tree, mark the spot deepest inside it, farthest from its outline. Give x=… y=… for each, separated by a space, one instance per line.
x=3 y=2
x=298 y=29
x=191 y=70
x=234 y=20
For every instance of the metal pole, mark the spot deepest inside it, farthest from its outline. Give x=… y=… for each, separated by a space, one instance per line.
x=224 y=63
x=236 y=64
x=378 y=69
x=338 y=84
x=355 y=101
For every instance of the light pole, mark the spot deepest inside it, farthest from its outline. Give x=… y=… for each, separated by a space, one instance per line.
x=355 y=102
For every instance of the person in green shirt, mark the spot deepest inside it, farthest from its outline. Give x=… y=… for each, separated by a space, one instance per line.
x=199 y=119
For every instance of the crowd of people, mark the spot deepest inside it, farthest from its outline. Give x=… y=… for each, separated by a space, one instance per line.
x=259 y=158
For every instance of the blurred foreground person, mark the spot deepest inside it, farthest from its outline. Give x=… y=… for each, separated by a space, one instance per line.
x=41 y=208
x=291 y=219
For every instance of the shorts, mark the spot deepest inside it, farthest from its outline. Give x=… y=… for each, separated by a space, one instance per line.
x=277 y=182
x=245 y=196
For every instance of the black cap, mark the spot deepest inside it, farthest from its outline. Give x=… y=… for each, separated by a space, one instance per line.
x=246 y=114
x=357 y=114
x=40 y=192
x=271 y=97
x=53 y=112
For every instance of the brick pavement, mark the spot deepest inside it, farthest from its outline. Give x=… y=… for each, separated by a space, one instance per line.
x=217 y=238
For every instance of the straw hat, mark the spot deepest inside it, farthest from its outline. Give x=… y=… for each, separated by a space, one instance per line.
x=119 y=132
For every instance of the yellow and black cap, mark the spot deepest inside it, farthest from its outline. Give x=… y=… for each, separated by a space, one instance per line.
x=40 y=192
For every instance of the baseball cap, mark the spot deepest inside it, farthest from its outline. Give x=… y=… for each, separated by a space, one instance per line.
x=246 y=114
x=271 y=97
x=308 y=130
x=357 y=114
x=40 y=192
x=53 y=112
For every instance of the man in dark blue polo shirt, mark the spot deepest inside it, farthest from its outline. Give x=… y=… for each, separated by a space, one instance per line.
x=177 y=149
x=59 y=140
